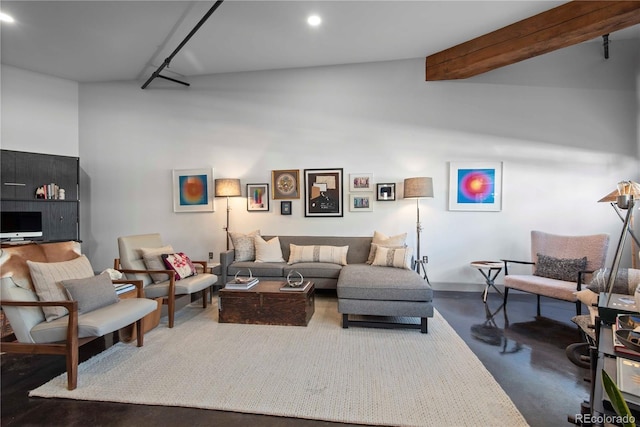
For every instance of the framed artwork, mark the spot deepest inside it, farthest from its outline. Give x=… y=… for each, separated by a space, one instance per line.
x=286 y=184
x=323 y=192
x=361 y=202
x=193 y=190
x=257 y=197
x=475 y=186
x=361 y=182
x=386 y=192
x=285 y=208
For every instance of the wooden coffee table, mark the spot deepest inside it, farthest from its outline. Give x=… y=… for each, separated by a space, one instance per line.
x=266 y=304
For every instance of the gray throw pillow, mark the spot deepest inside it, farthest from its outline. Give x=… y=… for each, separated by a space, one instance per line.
x=91 y=293
x=625 y=282
x=560 y=268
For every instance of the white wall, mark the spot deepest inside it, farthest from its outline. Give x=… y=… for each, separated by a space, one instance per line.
x=39 y=113
x=564 y=125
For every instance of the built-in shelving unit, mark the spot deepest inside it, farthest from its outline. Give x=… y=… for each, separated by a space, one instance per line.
x=21 y=173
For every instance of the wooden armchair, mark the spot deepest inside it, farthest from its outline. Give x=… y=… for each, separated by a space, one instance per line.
x=561 y=265
x=33 y=334
x=139 y=260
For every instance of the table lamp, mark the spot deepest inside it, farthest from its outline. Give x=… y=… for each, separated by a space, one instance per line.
x=227 y=187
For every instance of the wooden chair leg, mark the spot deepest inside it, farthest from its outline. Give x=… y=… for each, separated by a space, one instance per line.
x=140 y=330
x=205 y=297
x=538 y=308
x=171 y=308
x=72 y=365
x=506 y=293
x=578 y=308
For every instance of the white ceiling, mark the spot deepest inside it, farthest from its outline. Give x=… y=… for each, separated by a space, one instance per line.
x=90 y=41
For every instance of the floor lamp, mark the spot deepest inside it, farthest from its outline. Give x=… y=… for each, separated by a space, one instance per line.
x=627 y=192
x=227 y=187
x=418 y=188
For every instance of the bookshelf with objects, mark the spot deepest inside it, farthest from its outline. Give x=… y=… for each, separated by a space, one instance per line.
x=45 y=183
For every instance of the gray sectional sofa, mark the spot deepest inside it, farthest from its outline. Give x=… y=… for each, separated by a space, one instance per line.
x=362 y=289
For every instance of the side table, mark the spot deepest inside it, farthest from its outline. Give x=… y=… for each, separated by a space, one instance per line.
x=489 y=270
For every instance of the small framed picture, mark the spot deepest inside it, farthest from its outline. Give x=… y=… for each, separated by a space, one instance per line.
x=361 y=182
x=286 y=184
x=285 y=208
x=361 y=202
x=386 y=192
x=257 y=197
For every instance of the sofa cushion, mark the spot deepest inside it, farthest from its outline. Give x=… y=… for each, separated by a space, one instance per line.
x=258 y=269
x=368 y=282
x=393 y=257
x=315 y=269
x=152 y=258
x=384 y=240
x=91 y=293
x=47 y=277
x=180 y=263
x=243 y=245
x=559 y=268
x=318 y=253
x=268 y=251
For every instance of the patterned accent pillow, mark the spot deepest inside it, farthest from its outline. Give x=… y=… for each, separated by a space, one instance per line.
x=180 y=263
x=91 y=293
x=46 y=277
x=560 y=268
x=152 y=258
x=315 y=253
x=244 y=245
x=268 y=251
x=393 y=257
x=625 y=282
x=380 y=239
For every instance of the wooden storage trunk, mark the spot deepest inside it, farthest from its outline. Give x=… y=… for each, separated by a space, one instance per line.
x=266 y=304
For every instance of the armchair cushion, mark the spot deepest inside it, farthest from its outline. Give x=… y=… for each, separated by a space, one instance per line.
x=46 y=278
x=180 y=263
x=565 y=269
x=91 y=293
x=152 y=258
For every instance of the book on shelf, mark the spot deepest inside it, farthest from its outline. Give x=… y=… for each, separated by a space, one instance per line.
x=628 y=376
x=618 y=347
x=241 y=284
x=289 y=288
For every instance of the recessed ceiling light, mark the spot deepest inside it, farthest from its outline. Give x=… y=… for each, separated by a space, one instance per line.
x=6 y=18
x=314 y=20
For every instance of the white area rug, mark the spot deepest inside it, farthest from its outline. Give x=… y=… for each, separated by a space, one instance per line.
x=356 y=375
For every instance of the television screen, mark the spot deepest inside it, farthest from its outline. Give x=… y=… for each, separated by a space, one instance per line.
x=20 y=225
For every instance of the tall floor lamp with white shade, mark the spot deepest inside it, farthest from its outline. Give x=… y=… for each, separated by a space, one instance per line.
x=227 y=187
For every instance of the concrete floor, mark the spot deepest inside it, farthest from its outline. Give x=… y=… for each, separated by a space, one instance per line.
x=527 y=359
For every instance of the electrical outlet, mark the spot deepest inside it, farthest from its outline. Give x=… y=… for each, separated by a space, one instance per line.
x=425 y=259
x=210 y=256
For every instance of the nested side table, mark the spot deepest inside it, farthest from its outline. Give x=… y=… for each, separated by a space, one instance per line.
x=489 y=270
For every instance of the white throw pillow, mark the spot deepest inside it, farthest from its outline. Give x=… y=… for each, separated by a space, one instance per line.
x=47 y=278
x=390 y=257
x=268 y=251
x=330 y=254
x=380 y=239
x=244 y=246
x=152 y=258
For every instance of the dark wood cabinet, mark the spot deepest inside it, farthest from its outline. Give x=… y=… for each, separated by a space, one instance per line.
x=22 y=173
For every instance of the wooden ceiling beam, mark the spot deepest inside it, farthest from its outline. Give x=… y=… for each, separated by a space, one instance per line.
x=560 y=27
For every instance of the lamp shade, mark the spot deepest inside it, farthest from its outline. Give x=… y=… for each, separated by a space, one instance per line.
x=419 y=187
x=624 y=187
x=228 y=187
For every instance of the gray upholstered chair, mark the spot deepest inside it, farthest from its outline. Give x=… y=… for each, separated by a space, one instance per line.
x=157 y=280
x=561 y=266
x=36 y=332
